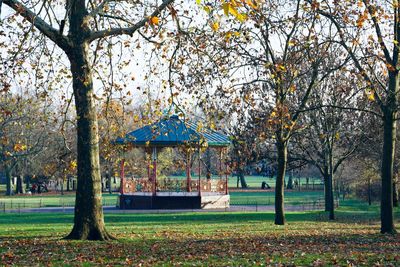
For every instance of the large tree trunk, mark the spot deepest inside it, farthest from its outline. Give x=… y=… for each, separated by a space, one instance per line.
x=395 y=193
x=27 y=182
x=290 y=183
x=88 y=221
x=108 y=178
x=19 y=185
x=369 y=192
x=8 y=181
x=389 y=140
x=331 y=201
x=241 y=178
x=326 y=188
x=279 y=187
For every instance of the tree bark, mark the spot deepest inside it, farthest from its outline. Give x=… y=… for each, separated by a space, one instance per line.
x=369 y=192
x=395 y=193
x=290 y=183
x=326 y=188
x=241 y=178
x=18 y=187
x=88 y=221
x=108 y=178
x=27 y=182
x=389 y=139
x=331 y=201
x=8 y=181
x=279 y=187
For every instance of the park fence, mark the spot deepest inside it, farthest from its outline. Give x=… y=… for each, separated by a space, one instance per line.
x=16 y=205
x=268 y=204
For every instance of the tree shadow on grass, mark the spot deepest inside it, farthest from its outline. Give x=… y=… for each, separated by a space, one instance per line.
x=189 y=218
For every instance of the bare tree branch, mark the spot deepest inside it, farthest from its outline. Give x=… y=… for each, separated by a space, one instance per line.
x=128 y=30
x=39 y=23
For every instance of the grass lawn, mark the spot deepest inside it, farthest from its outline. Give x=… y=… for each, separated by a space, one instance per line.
x=203 y=239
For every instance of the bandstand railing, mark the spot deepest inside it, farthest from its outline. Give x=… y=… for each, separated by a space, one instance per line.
x=144 y=185
x=132 y=185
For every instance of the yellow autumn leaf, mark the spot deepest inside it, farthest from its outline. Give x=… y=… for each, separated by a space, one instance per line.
x=207 y=9
x=154 y=20
x=235 y=13
x=251 y=4
x=370 y=94
x=230 y=8
x=225 y=7
x=73 y=164
x=212 y=125
x=241 y=17
x=19 y=147
x=371 y=97
x=215 y=26
x=228 y=36
x=199 y=127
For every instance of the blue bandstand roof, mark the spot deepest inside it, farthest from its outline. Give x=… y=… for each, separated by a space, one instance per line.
x=173 y=131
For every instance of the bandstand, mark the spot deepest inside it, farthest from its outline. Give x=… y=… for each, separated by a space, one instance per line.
x=200 y=191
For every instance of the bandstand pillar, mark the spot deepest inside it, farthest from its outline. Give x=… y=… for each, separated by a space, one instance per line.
x=226 y=178
x=154 y=170
x=199 y=183
x=122 y=177
x=220 y=163
x=188 y=176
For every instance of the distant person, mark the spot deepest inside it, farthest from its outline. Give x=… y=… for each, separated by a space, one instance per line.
x=33 y=189
x=264 y=185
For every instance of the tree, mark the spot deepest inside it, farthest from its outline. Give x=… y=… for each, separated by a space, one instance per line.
x=86 y=22
x=244 y=151
x=264 y=69
x=113 y=123
x=370 y=33
x=22 y=133
x=331 y=135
